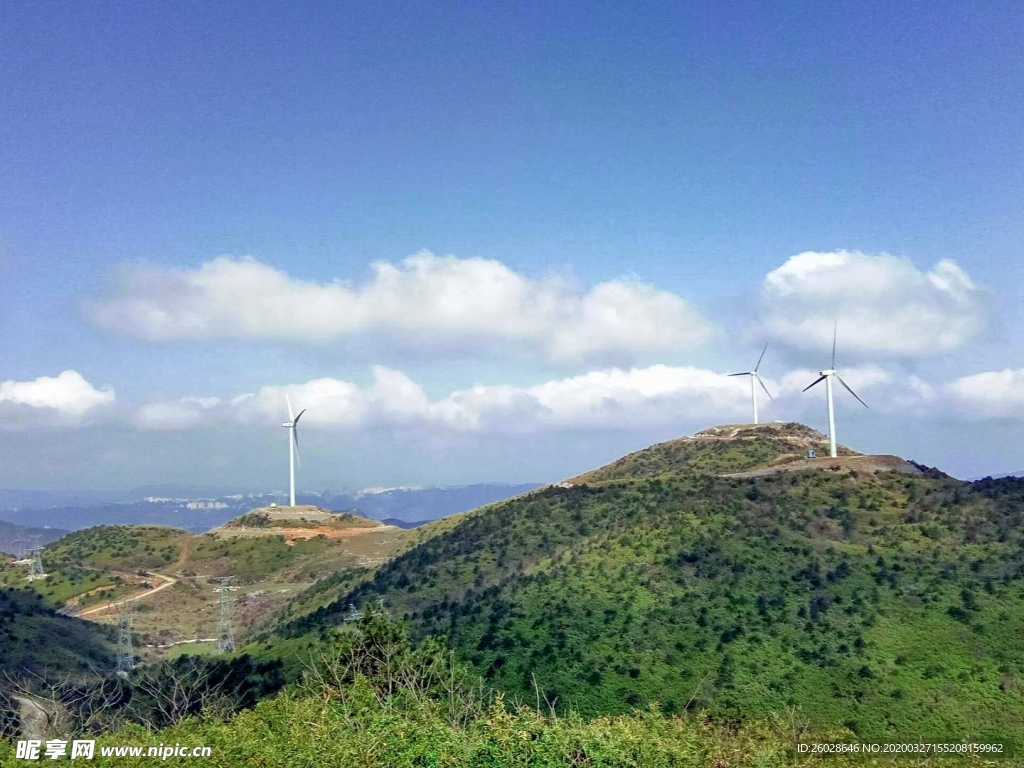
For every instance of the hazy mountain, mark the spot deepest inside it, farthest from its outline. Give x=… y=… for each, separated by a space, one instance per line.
x=14 y=539
x=726 y=571
x=161 y=505
x=423 y=504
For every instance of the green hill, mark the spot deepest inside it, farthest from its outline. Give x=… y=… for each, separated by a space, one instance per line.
x=271 y=554
x=36 y=639
x=872 y=594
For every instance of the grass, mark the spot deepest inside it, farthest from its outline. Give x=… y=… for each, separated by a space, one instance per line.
x=888 y=604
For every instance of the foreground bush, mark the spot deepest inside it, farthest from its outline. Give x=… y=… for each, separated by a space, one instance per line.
x=370 y=699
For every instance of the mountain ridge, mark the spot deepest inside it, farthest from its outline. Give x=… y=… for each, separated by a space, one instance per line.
x=884 y=599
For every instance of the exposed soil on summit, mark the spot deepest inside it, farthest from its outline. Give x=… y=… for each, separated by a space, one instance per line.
x=330 y=532
x=859 y=463
x=797 y=435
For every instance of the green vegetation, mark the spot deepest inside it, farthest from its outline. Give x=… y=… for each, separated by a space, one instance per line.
x=368 y=698
x=255 y=559
x=890 y=604
x=653 y=612
x=95 y=558
x=34 y=639
x=714 y=451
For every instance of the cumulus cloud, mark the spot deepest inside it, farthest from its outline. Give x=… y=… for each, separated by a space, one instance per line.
x=613 y=398
x=426 y=298
x=884 y=304
x=175 y=414
x=991 y=393
x=65 y=397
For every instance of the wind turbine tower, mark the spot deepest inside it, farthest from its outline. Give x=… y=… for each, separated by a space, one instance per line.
x=827 y=376
x=293 y=444
x=754 y=376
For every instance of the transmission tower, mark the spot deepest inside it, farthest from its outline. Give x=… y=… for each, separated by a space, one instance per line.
x=353 y=614
x=35 y=569
x=225 y=631
x=21 y=553
x=125 y=652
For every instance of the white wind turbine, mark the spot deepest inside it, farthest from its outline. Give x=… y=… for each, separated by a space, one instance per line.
x=293 y=444
x=755 y=376
x=826 y=376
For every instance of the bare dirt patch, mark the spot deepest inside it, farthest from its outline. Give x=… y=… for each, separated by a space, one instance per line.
x=882 y=463
x=330 y=532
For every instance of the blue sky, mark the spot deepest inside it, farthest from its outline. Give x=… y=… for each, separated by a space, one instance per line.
x=581 y=189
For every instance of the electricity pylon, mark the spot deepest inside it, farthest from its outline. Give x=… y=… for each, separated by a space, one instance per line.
x=125 y=651
x=225 y=631
x=35 y=569
x=21 y=555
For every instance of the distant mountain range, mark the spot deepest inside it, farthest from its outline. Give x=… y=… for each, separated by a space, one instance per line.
x=17 y=539
x=189 y=508
x=1018 y=473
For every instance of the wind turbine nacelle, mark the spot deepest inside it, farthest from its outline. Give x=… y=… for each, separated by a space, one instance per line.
x=287 y=425
x=829 y=372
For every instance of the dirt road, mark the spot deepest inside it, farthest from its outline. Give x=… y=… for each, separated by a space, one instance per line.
x=168 y=582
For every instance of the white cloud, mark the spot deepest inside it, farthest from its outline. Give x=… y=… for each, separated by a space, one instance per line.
x=991 y=393
x=883 y=390
x=471 y=302
x=67 y=396
x=611 y=398
x=175 y=414
x=391 y=398
x=884 y=304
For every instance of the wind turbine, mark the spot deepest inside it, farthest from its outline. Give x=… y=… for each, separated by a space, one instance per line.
x=826 y=376
x=755 y=376
x=293 y=444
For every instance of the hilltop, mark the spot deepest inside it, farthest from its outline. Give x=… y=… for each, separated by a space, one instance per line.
x=272 y=554
x=718 y=450
x=870 y=592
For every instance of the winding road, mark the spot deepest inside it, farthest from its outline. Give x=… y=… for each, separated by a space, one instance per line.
x=168 y=582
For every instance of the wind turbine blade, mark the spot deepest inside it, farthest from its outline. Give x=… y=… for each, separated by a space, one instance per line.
x=296 y=420
x=760 y=358
x=835 y=327
x=763 y=387
x=850 y=390
x=291 y=416
x=295 y=441
x=816 y=381
x=745 y=373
